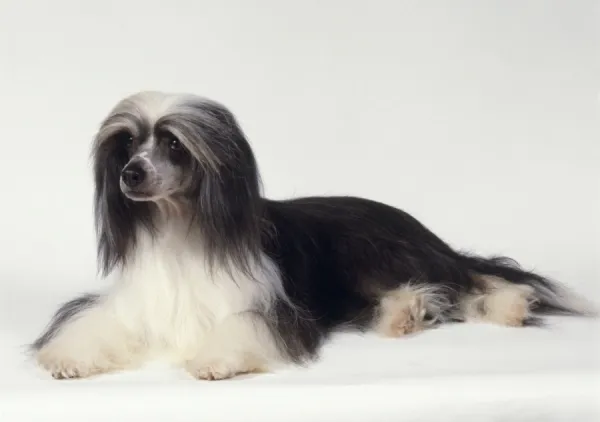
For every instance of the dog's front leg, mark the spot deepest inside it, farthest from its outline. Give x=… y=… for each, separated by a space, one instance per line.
x=86 y=338
x=239 y=344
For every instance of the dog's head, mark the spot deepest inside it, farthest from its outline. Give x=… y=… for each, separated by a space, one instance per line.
x=186 y=151
x=160 y=145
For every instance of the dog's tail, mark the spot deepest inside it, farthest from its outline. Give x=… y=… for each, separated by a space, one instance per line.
x=549 y=297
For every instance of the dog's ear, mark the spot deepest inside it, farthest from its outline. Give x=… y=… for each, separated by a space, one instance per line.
x=116 y=217
x=227 y=197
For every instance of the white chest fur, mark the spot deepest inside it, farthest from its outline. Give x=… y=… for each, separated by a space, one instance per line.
x=167 y=293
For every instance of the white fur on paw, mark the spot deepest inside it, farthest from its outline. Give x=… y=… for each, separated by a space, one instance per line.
x=403 y=314
x=508 y=306
x=65 y=368
x=517 y=313
x=405 y=323
x=213 y=371
x=65 y=364
x=220 y=369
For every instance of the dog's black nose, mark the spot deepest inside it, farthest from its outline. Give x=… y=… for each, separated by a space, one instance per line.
x=133 y=175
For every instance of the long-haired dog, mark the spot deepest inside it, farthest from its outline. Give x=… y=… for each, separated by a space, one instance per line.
x=224 y=281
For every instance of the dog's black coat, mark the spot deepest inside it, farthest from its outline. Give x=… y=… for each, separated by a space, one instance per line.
x=338 y=255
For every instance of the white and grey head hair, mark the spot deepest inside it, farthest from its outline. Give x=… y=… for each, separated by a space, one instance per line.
x=155 y=149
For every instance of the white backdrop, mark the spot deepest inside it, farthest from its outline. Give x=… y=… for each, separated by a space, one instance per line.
x=478 y=117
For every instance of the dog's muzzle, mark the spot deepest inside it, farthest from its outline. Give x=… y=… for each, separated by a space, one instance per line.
x=133 y=175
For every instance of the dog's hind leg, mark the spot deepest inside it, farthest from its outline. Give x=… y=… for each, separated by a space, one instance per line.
x=409 y=309
x=498 y=301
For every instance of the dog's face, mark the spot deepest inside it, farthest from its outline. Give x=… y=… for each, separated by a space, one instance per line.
x=149 y=148
x=158 y=166
x=180 y=150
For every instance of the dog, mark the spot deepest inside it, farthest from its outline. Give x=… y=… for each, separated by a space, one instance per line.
x=222 y=281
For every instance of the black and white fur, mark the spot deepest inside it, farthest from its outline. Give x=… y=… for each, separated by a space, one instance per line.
x=223 y=281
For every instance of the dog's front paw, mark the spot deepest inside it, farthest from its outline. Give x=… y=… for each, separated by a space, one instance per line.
x=220 y=369
x=65 y=359
x=212 y=372
x=66 y=367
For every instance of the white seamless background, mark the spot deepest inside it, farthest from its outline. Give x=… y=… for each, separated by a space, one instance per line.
x=480 y=118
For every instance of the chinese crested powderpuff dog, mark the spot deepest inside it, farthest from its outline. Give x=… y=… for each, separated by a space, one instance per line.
x=223 y=281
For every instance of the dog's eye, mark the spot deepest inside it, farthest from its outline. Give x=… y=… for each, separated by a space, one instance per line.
x=174 y=144
x=166 y=138
x=175 y=150
x=124 y=138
